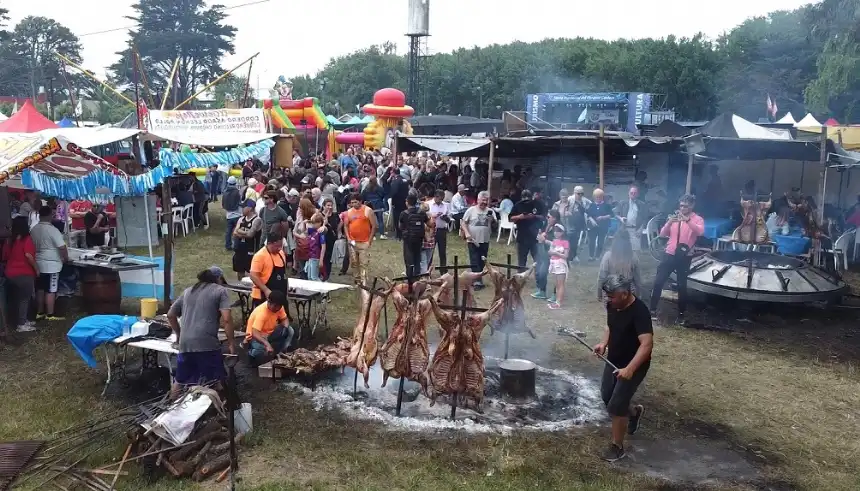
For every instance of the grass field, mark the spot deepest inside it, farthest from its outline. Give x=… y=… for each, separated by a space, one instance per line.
x=783 y=390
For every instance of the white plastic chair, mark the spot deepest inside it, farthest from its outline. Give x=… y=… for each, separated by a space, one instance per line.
x=839 y=251
x=188 y=217
x=505 y=224
x=179 y=220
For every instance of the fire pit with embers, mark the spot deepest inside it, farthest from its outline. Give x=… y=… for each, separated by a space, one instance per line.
x=762 y=277
x=518 y=395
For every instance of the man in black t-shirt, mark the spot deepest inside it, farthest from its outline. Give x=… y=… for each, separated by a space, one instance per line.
x=528 y=215
x=96 y=223
x=628 y=338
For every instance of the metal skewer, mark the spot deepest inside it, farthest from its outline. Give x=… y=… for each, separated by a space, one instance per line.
x=564 y=331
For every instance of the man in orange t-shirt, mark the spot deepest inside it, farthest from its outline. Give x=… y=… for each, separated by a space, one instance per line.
x=269 y=331
x=360 y=227
x=269 y=269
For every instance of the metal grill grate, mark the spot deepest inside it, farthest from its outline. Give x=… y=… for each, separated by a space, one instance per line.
x=14 y=457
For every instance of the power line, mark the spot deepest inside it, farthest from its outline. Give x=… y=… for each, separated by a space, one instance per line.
x=115 y=29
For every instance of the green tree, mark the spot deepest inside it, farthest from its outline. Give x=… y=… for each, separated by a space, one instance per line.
x=230 y=89
x=30 y=55
x=768 y=55
x=836 y=87
x=4 y=18
x=167 y=29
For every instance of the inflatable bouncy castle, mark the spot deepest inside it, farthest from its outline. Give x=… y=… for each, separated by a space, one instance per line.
x=296 y=114
x=390 y=110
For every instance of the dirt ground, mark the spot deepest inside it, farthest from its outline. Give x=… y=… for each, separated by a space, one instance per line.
x=762 y=398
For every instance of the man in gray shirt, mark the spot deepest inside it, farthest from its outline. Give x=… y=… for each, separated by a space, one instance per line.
x=476 y=227
x=273 y=216
x=202 y=307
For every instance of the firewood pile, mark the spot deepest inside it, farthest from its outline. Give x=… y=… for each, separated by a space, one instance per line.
x=65 y=460
x=206 y=453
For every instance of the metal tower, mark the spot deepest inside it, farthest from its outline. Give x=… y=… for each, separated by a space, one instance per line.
x=418 y=30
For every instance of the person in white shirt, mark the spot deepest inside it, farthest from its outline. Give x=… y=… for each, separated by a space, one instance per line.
x=458 y=205
x=634 y=216
x=51 y=254
x=440 y=213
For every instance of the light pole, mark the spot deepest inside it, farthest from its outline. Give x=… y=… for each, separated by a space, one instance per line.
x=480 y=103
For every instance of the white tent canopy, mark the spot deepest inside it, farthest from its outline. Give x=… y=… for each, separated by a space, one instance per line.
x=808 y=120
x=208 y=138
x=787 y=119
x=91 y=137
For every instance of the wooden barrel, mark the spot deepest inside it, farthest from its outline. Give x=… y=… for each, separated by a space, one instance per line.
x=101 y=291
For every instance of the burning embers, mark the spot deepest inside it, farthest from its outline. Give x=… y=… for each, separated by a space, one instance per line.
x=561 y=400
x=509 y=394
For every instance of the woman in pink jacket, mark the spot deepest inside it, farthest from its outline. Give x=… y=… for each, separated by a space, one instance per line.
x=683 y=229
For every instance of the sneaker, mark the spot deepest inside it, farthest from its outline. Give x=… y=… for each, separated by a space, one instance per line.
x=653 y=316
x=25 y=328
x=613 y=453
x=54 y=318
x=681 y=321
x=553 y=306
x=40 y=317
x=576 y=259
x=635 y=421
x=383 y=237
x=539 y=295
x=551 y=299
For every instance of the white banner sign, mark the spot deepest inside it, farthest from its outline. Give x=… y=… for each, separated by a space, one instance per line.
x=223 y=120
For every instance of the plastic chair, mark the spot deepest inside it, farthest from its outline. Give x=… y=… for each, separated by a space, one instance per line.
x=505 y=224
x=188 y=217
x=179 y=220
x=839 y=251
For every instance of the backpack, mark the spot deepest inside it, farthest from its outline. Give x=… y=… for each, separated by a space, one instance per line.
x=303 y=241
x=414 y=226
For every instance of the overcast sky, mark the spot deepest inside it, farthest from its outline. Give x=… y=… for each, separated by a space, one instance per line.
x=297 y=37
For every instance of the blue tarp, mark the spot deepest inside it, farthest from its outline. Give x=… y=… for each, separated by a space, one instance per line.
x=66 y=123
x=91 y=332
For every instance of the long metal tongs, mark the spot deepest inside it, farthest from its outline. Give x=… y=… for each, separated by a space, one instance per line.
x=578 y=335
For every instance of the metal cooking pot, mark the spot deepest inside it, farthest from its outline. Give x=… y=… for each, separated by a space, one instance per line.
x=517 y=378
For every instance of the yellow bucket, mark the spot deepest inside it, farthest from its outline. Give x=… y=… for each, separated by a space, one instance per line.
x=148 y=307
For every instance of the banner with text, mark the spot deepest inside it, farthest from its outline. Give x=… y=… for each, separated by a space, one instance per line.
x=249 y=120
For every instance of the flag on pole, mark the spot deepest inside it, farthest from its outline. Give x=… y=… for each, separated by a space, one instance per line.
x=771 y=107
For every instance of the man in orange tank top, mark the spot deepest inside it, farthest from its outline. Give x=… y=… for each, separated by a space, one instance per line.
x=360 y=228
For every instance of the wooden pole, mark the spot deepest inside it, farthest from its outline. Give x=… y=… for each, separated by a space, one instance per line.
x=169 y=83
x=210 y=84
x=247 y=86
x=601 y=156
x=822 y=181
x=167 y=216
x=143 y=78
x=689 y=187
x=92 y=76
x=490 y=167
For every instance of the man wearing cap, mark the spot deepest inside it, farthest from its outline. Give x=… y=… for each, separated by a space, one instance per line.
x=203 y=308
x=232 y=204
